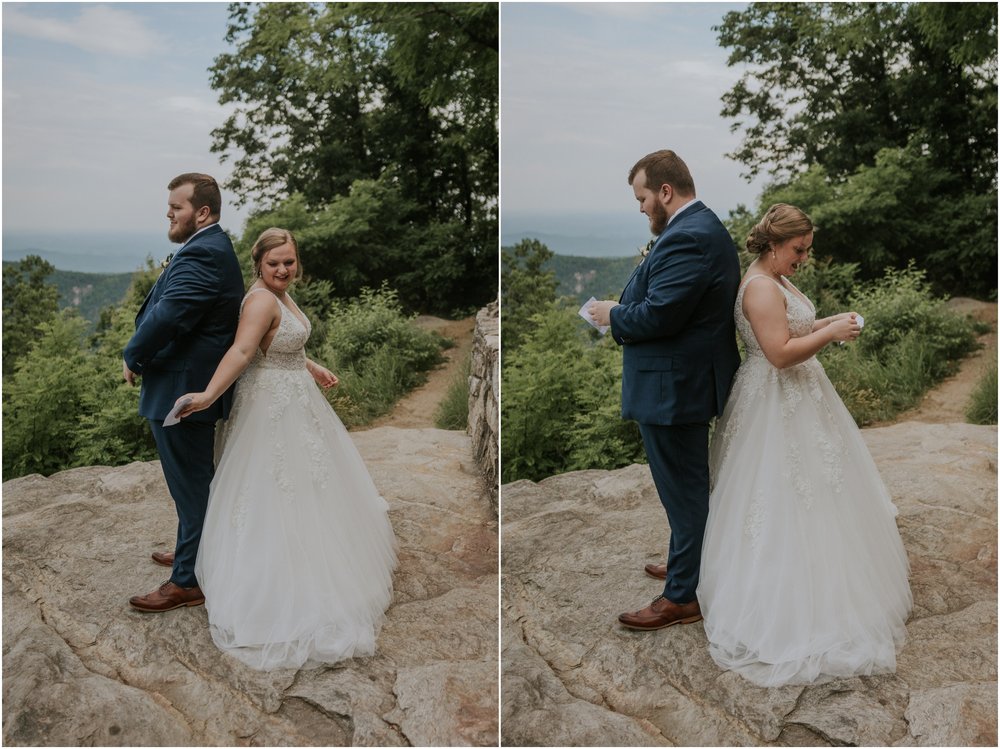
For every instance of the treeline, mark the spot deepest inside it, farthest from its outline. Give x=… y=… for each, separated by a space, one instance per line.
x=880 y=121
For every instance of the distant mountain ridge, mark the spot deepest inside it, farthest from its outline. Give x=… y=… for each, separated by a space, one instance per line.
x=89 y=293
x=585 y=277
x=599 y=235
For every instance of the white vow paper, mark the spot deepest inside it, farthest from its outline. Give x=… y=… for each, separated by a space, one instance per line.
x=172 y=416
x=602 y=329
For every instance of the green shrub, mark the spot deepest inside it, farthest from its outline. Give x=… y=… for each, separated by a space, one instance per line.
x=900 y=303
x=453 y=410
x=561 y=401
x=377 y=353
x=42 y=400
x=66 y=404
x=982 y=407
x=560 y=405
x=911 y=340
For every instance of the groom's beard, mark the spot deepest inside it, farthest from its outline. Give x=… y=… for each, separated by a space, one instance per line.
x=658 y=219
x=183 y=231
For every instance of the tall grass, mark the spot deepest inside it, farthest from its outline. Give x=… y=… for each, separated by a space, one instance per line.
x=453 y=411
x=982 y=408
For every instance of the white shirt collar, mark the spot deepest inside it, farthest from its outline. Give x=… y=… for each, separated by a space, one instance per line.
x=681 y=209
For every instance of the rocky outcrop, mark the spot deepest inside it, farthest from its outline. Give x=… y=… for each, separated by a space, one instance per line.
x=81 y=668
x=573 y=550
x=484 y=398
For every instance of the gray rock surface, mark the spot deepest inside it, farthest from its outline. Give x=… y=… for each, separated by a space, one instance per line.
x=81 y=668
x=573 y=550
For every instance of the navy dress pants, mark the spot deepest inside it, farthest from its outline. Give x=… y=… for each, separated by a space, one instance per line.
x=678 y=460
x=187 y=455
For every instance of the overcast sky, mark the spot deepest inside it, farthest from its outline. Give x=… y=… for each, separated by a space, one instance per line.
x=104 y=103
x=587 y=89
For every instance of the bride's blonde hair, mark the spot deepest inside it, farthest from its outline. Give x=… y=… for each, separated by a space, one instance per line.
x=782 y=221
x=267 y=241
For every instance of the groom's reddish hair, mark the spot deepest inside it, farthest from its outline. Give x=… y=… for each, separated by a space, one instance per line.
x=206 y=191
x=664 y=168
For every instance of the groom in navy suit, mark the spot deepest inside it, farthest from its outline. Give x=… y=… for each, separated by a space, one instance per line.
x=675 y=323
x=185 y=325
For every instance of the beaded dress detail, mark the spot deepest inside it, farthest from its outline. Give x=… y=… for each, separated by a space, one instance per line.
x=297 y=551
x=803 y=575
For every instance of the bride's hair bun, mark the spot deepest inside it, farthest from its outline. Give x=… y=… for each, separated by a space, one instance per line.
x=781 y=222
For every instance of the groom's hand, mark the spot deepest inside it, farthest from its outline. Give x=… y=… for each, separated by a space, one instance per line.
x=600 y=312
x=128 y=374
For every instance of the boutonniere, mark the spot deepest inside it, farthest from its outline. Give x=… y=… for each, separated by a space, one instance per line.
x=166 y=261
x=644 y=251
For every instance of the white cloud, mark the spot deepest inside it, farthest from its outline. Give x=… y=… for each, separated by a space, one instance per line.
x=100 y=29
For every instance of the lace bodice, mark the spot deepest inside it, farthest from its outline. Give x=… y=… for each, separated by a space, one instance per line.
x=287 y=349
x=800 y=311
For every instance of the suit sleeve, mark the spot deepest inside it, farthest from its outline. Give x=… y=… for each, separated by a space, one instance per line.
x=190 y=292
x=678 y=279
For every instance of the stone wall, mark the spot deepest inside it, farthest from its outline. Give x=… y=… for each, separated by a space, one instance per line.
x=484 y=398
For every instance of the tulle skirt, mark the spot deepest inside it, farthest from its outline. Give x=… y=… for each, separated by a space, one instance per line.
x=297 y=552
x=803 y=576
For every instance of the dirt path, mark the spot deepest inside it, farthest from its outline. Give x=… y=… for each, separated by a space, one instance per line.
x=417 y=409
x=946 y=403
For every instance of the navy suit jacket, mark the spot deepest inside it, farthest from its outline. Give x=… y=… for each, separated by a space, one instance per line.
x=185 y=326
x=675 y=322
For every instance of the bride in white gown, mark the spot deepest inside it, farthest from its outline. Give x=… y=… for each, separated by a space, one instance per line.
x=297 y=551
x=803 y=573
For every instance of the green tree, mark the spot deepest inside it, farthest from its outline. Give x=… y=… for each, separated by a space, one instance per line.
x=43 y=397
x=835 y=83
x=888 y=214
x=525 y=289
x=878 y=119
x=393 y=104
x=28 y=301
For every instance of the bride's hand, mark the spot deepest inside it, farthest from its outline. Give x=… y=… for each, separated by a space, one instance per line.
x=199 y=402
x=844 y=327
x=323 y=376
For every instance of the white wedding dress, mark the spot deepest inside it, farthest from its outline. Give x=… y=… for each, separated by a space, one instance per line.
x=803 y=574
x=297 y=552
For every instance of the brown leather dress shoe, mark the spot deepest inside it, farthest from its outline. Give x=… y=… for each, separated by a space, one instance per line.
x=166 y=558
x=659 y=571
x=662 y=613
x=168 y=596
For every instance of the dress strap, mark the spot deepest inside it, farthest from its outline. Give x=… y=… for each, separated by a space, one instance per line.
x=746 y=281
x=247 y=296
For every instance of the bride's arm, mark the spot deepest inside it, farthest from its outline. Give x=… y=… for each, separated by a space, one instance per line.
x=259 y=314
x=764 y=307
x=323 y=376
x=824 y=321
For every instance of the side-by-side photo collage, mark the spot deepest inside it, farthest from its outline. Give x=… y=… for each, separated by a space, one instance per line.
x=499 y=374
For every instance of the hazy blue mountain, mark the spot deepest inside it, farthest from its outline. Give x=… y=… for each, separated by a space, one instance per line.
x=590 y=235
x=120 y=252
